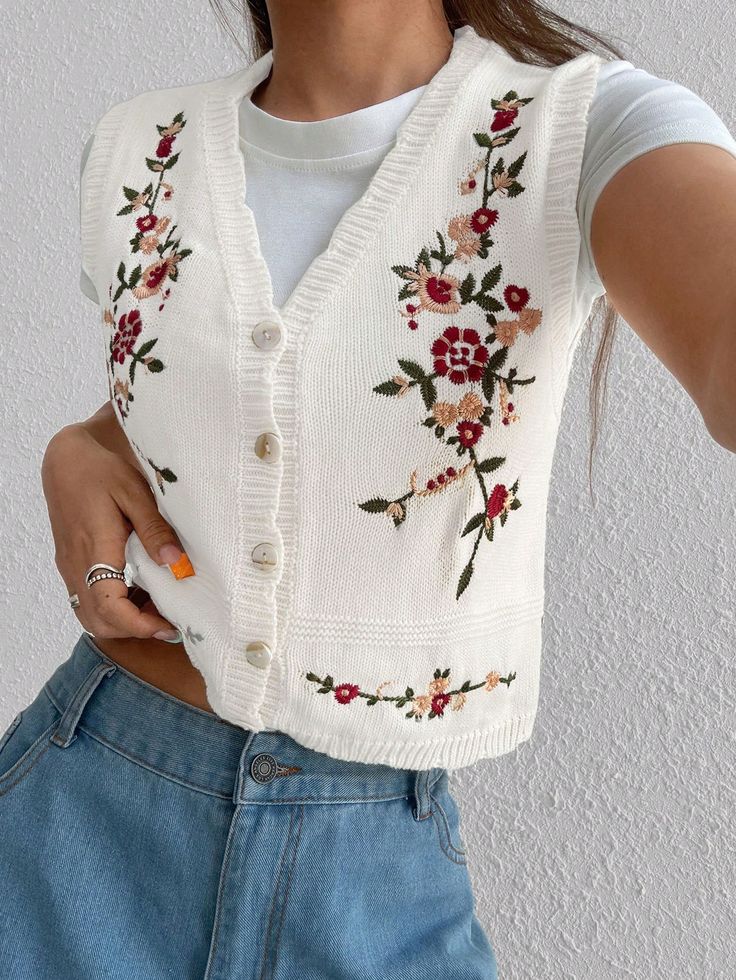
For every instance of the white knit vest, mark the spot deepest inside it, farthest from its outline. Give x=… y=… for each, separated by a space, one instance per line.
x=359 y=478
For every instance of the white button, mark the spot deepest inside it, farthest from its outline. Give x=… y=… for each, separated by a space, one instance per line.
x=266 y=335
x=268 y=447
x=265 y=556
x=258 y=654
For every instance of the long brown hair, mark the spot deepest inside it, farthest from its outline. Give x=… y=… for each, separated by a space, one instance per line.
x=530 y=33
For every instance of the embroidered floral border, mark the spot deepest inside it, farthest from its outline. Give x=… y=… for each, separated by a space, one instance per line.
x=430 y=704
x=473 y=365
x=154 y=238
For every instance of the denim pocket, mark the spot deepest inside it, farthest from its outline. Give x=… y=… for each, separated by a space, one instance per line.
x=26 y=741
x=446 y=817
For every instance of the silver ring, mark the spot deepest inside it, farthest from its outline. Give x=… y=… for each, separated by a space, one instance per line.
x=103 y=575
x=74 y=600
x=102 y=565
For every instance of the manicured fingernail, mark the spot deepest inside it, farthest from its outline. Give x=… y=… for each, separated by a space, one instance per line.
x=171 y=636
x=183 y=567
x=169 y=553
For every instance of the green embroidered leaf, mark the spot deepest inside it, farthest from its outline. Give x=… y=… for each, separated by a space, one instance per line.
x=429 y=422
x=491 y=464
x=184 y=252
x=154 y=165
x=467 y=286
x=126 y=209
x=514 y=189
x=488 y=384
x=490 y=279
x=168 y=475
x=131 y=372
x=409 y=714
x=179 y=118
x=488 y=531
x=509 y=134
x=428 y=392
x=439 y=431
x=464 y=579
x=497 y=166
x=497 y=359
x=134 y=277
x=130 y=193
x=405 y=292
x=466 y=686
x=413 y=369
x=371 y=700
x=144 y=348
x=155 y=366
x=328 y=681
x=314 y=678
x=515 y=504
x=377 y=505
x=482 y=139
x=503 y=517
x=387 y=388
x=402 y=270
x=489 y=304
x=171 y=161
x=446 y=672
x=473 y=523
x=423 y=258
x=409 y=692
x=121 y=272
x=514 y=168
x=323 y=690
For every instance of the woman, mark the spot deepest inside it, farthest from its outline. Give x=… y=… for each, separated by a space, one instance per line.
x=241 y=775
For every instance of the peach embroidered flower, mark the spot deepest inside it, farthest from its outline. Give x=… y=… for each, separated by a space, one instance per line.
x=469 y=183
x=108 y=317
x=502 y=182
x=460 y=230
x=167 y=189
x=436 y=292
x=529 y=320
x=154 y=276
x=506 y=331
x=445 y=413
x=138 y=201
x=403 y=384
x=438 y=685
x=458 y=700
x=421 y=704
x=161 y=225
x=173 y=129
x=470 y=406
x=148 y=244
x=492 y=680
x=395 y=510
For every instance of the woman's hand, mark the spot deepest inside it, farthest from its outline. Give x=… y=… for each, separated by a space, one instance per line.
x=96 y=494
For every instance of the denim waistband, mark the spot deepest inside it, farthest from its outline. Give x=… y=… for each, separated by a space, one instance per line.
x=206 y=753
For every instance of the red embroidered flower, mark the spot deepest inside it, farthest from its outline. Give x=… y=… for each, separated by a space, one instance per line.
x=438 y=703
x=344 y=693
x=154 y=275
x=129 y=326
x=516 y=297
x=496 y=500
x=483 y=218
x=503 y=118
x=469 y=432
x=146 y=223
x=164 y=147
x=459 y=355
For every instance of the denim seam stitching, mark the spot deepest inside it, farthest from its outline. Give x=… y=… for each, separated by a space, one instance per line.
x=6 y=789
x=219 y=904
x=264 y=957
x=28 y=753
x=459 y=856
x=277 y=946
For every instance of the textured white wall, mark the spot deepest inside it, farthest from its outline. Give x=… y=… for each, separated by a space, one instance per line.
x=603 y=847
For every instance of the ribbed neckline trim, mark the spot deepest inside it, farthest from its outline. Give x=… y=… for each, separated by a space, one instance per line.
x=248 y=276
x=349 y=133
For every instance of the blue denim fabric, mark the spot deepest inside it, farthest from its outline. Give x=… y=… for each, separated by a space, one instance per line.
x=142 y=838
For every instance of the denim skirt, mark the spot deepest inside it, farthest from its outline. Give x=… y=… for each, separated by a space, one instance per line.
x=143 y=838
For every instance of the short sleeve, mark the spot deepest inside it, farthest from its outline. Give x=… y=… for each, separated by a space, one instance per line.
x=85 y=281
x=631 y=113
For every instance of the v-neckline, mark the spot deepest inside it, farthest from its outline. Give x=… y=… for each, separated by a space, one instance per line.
x=248 y=276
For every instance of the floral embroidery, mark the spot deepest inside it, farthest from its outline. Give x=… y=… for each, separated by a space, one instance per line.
x=461 y=356
x=154 y=237
x=430 y=704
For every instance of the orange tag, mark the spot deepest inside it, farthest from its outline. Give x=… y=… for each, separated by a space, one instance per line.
x=182 y=568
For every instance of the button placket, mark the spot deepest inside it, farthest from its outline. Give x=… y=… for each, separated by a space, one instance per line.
x=267 y=336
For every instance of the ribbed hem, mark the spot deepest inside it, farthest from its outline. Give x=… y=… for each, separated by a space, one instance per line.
x=572 y=94
x=450 y=752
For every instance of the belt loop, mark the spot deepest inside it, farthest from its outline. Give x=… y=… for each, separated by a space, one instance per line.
x=239 y=786
x=423 y=804
x=65 y=731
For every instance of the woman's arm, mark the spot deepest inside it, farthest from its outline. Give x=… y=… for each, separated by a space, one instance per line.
x=663 y=235
x=96 y=494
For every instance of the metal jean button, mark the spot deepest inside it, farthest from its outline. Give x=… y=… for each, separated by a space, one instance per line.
x=263 y=768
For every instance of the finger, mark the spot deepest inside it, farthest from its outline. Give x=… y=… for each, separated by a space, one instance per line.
x=109 y=613
x=135 y=498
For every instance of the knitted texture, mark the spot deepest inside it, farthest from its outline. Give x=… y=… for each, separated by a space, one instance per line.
x=411 y=404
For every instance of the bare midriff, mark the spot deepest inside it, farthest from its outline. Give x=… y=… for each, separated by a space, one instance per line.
x=164 y=665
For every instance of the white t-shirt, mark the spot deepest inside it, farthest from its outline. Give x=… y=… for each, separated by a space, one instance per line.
x=302 y=176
